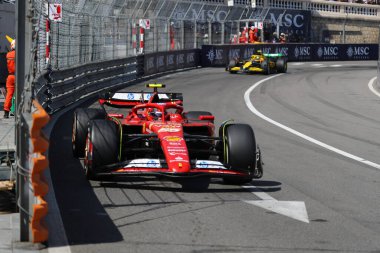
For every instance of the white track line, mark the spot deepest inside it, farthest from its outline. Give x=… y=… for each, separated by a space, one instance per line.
x=370 y=86
x=308 y=138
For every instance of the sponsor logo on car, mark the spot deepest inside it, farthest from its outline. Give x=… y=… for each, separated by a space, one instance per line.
x=148 y=163
x=206 y=164
x=130 y=96
x=202 y=164
x=169 y=129
x=152 y=164
x=173 y=138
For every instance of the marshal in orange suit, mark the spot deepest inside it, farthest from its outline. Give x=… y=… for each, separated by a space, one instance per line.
x=10 y=85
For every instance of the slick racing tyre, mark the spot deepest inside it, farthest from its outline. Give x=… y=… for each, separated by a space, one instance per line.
x=102 y=146
x=230 y=66
x=80 y=125
x=265 y=67
x=281 y=65
x=240 y=153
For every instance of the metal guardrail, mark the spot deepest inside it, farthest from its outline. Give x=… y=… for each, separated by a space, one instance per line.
x=59 y=88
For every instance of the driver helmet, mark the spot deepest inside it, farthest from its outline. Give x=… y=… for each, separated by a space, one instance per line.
x=156 y=113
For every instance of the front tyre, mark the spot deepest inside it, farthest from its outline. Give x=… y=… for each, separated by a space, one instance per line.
x=240 y=151
x=102 y=146
x=265 y=67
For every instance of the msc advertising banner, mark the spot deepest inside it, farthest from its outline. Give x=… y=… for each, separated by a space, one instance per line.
x=213 y=55
x=296 y=24
x=166 y=61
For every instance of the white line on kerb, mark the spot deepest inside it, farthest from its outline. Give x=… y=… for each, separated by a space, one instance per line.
x=370 y=86
x=308 y=138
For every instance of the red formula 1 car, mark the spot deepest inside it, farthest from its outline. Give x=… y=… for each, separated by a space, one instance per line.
x=151 y=135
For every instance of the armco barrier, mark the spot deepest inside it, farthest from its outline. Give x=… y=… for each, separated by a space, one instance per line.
x=58 y=88
x=215 y=55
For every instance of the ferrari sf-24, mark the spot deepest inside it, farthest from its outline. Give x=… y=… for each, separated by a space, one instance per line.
x=150 y=134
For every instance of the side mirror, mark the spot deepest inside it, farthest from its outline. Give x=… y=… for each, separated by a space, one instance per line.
x=206 y=117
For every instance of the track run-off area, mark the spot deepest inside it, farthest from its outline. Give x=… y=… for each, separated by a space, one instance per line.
x=318 y=129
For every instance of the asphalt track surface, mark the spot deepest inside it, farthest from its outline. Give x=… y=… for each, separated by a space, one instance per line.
x=327 y=101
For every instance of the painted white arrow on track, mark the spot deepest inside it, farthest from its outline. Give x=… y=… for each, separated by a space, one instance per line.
x=292 y=209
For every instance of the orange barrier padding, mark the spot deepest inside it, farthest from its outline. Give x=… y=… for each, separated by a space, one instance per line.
x=40 y=163
x=39 y=230
x=40 y=186
x=40 y=119
x=40 y=144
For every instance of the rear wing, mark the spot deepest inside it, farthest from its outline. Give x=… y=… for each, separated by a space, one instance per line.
x=130 y=99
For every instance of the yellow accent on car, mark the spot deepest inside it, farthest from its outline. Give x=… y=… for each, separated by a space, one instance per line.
x=155 y=85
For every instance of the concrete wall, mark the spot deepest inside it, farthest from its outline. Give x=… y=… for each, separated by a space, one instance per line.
x=337 y=30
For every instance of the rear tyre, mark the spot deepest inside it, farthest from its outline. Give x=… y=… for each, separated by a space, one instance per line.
x=230 y=65
x=281 y=65
x=102 y=146
x=240 y=151
x=265 y=67
x=80 y=126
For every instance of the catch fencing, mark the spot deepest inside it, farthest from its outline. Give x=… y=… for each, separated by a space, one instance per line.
x=92 y=31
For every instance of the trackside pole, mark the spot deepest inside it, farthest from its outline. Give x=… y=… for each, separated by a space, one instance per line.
x=142 y=30
x=134 y=38
x=47 y=41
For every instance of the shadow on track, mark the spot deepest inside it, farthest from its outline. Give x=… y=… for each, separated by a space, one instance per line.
x=84 y=218
x=263 y=186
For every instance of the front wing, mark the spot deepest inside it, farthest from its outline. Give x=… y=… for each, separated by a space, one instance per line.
x=156 y=167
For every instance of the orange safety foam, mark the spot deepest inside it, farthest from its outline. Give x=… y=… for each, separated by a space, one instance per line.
x=40 y=119
x=39 y=184
x=39 y=230
x=40 y=163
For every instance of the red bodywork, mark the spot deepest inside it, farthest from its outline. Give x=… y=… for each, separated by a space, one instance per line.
x=168 y=127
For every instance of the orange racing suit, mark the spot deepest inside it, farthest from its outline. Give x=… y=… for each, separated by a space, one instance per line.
x=10 y=85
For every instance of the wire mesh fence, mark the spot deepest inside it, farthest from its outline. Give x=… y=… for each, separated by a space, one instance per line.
x=96 y=30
